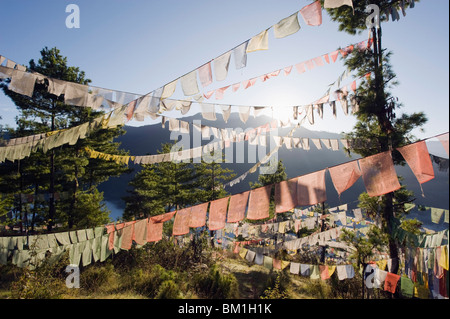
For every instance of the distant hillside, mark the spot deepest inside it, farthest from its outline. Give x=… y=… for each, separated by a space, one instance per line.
x=148 y=139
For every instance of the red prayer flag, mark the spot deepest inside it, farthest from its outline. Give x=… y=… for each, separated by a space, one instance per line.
x=238 y=206
x=198 y=215
x=418 y=159
x=390 y=283
x=312 y=13
x=379 y=174
x=155 y=226
x=311 y=189
x=259 y=202
x=218 y=213
x=181 y=222
x=344 y=175
x=285 y=195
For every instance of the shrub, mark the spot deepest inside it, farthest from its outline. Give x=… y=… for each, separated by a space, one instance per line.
x=215 y=285
x=98 y=277
x=168 y=290
x=276 y=289
x=45 y=281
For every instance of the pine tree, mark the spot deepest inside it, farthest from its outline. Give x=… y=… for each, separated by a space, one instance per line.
x=66 y=169
x=167 y=186
x=377 y=118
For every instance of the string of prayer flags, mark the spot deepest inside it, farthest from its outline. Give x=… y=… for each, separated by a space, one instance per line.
x=379 y=174
x=418 y=159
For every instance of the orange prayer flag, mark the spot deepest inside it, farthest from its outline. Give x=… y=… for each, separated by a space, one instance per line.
x=390 y=283
x=285 y=195
x=238 y=206
x=155 y=226
x=198 y=215
x=163 y=217
x=218 y=213
x=418 y=159
x=259 y=203
x=311 y=189
x=344 y=175
x=154 y=231
x=181 y=222
x=378 y=173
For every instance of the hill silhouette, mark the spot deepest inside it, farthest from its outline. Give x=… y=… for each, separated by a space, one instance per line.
x=147 y=140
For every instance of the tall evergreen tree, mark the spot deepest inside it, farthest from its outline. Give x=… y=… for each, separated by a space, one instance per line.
x=378 y=120
x=163 y=187
x=61 y=170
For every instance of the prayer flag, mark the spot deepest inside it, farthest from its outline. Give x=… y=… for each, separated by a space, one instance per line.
x=198 y=215
x=259 y=42
x=311 y=189
x=238 y=206
x=259 y=202
x=344 y=175
x=418 y=159
x=285 y=195
x=286 y=26
x=181 y=223
x=379 y=174
x=312 y=13
x=218 y=213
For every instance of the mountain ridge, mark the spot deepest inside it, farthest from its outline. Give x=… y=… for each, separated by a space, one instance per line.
x=296 y=161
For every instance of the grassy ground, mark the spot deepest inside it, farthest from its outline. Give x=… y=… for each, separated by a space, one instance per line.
x=108 y=281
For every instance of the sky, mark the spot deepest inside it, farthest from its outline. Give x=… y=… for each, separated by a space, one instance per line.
x=138 y=46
